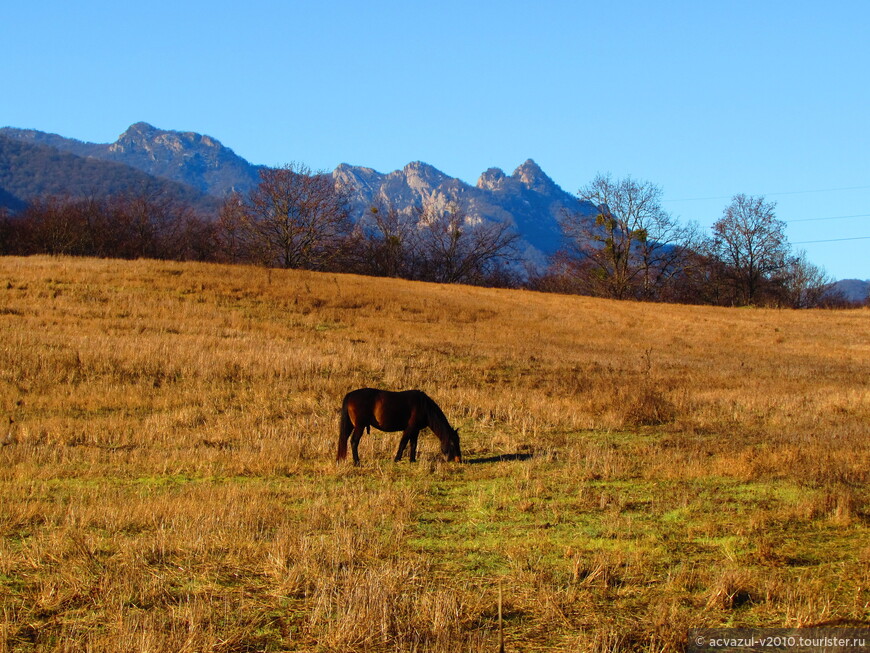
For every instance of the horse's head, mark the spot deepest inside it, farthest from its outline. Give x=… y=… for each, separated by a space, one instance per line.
x=450 y=446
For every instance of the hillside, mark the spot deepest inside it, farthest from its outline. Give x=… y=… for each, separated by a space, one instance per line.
x=853 y=290
x=186 y=158
x=631 y=470
x=32 y=170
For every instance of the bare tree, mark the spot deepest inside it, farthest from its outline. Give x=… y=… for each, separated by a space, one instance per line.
x=806 y=284
x=233 y=236
x=294 y=218
x=53 y=225
x=150 y=223
x=631 y=248
x=457 y=248
x=751 y=243
x=391 y=243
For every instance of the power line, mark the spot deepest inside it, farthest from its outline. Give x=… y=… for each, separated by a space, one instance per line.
x=830 y=217
x=802 y=192
x=790 y=192
x=833 y=217
x=832 y=240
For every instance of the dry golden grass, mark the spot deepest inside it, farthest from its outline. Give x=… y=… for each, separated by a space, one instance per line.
x=634 y=470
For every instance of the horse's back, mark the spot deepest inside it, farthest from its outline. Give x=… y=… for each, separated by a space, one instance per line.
x=385 y=409
x=360 y=403
x=361 y=394
x=391 y=396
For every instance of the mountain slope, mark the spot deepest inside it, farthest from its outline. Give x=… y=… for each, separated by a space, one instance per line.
x=184 y=157
x=10 y=201
x=30 y=170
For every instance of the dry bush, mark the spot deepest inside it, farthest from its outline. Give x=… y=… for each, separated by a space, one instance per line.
x=733 y=589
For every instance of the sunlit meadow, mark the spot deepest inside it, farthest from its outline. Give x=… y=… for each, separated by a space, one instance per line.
x=631 y=470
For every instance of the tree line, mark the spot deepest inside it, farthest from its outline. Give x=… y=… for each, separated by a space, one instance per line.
x=633 y=248
x=295 y=218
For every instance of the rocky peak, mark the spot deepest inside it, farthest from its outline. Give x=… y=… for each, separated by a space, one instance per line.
x=357 y=178
x=492 y=179
x=421 y=169
x=136 y=136
x=531 y=176
x=194 y=159
x=421 y=175
x=139 y=130
x=147 y=137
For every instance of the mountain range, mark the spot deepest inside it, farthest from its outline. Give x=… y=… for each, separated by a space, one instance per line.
x=202 y=171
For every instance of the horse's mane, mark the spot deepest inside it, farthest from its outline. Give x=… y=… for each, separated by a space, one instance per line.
x=435 y=416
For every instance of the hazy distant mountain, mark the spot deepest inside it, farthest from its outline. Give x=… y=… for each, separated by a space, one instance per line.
x=184 y=157
x=853 y=290
x=528 y=198
x=29 y=170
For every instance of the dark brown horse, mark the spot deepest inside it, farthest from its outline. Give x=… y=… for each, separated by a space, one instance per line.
x=410 y=411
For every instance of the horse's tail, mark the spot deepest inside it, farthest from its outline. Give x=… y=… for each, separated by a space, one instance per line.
x=344 y=430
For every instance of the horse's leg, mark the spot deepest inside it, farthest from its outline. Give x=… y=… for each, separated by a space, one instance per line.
x=354 y=442
x=410 y=435
x=414 y=437
x=345 y=427
x=404 y=441
x=342 y=444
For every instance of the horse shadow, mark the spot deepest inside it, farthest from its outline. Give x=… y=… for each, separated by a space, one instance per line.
x=505 y=457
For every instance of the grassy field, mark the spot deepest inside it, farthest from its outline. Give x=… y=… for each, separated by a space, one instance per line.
x=631 y=470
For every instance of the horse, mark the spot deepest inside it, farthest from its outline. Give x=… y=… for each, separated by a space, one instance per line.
x=409 y=411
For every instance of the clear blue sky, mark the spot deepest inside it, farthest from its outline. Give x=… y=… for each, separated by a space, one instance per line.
x=704 y=99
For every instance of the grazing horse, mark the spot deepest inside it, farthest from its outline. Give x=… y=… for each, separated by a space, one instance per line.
x=410 y=412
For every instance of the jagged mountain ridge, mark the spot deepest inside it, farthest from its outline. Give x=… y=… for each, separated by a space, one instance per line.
x=528 y=199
